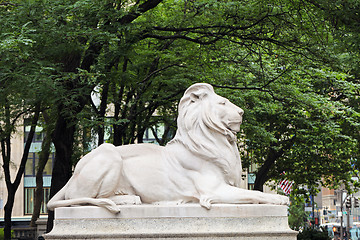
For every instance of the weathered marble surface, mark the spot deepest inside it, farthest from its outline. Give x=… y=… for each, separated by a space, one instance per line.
x=201 y=164
x=188 y=221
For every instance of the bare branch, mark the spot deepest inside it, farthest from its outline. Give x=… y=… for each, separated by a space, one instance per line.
x=157 y=71
x=8 y=4
x=179 y=36
x=138 y=10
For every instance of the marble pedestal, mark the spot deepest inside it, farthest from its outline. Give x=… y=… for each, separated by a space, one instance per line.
x=189 y=221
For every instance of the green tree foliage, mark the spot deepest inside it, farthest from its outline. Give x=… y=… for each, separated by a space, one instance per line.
x=344 y=19
x=297 y=215
x=295 y=95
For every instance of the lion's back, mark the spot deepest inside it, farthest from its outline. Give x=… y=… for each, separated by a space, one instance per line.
x=133 y=151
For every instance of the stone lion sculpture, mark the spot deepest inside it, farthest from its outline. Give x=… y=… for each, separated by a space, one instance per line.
x=200 y=164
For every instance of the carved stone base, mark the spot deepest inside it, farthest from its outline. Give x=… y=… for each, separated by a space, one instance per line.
x=188 y=221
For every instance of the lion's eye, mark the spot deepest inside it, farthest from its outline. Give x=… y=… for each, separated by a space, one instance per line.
x=222 y=102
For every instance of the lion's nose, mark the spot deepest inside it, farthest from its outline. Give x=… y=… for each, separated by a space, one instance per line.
x=241 y=112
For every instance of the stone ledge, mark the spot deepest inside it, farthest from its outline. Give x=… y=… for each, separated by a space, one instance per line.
x=188 y=221
x=184 y=210
x=199 y=236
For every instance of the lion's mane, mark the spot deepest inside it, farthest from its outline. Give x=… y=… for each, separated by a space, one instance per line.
x=202 y=133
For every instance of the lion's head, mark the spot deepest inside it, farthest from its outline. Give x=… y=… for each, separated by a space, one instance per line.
x=207 y=126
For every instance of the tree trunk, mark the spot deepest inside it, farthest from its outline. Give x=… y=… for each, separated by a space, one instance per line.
x=39 y=193
x=63 y=139
x=5 y=152
x=8 y=212
x=262 y=173
x=6 y=155
x=102 y=111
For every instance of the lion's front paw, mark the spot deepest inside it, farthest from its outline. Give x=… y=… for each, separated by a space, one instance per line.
x=280 y=200
x=284 y=200
x=137 y=200
x=205 y=202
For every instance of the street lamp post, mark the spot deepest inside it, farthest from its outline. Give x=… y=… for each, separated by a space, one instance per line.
x=342 y=201
x=348 y=209
x=341 y=217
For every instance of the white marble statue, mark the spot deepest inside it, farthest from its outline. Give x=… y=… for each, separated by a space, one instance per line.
x=201 y=164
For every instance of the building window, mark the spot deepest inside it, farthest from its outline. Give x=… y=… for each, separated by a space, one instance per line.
x=149 y=136
x=39 y=134
x=31 y=170
x=30 y=197
x=159 y=132
x=32 y=164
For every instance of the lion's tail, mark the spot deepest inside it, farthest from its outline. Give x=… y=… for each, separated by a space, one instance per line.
x=101 y=202
x=58 y=200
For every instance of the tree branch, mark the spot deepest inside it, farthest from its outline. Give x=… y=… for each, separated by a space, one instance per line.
x=157 y=71
x=138 y=10
x=178 y=36
x=8 y=4
x=273 y=155
x=227 y=27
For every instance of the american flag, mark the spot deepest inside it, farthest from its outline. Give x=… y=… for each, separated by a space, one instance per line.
x=286 y=186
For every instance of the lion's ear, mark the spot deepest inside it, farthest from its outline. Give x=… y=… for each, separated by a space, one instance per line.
x=195 y=96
